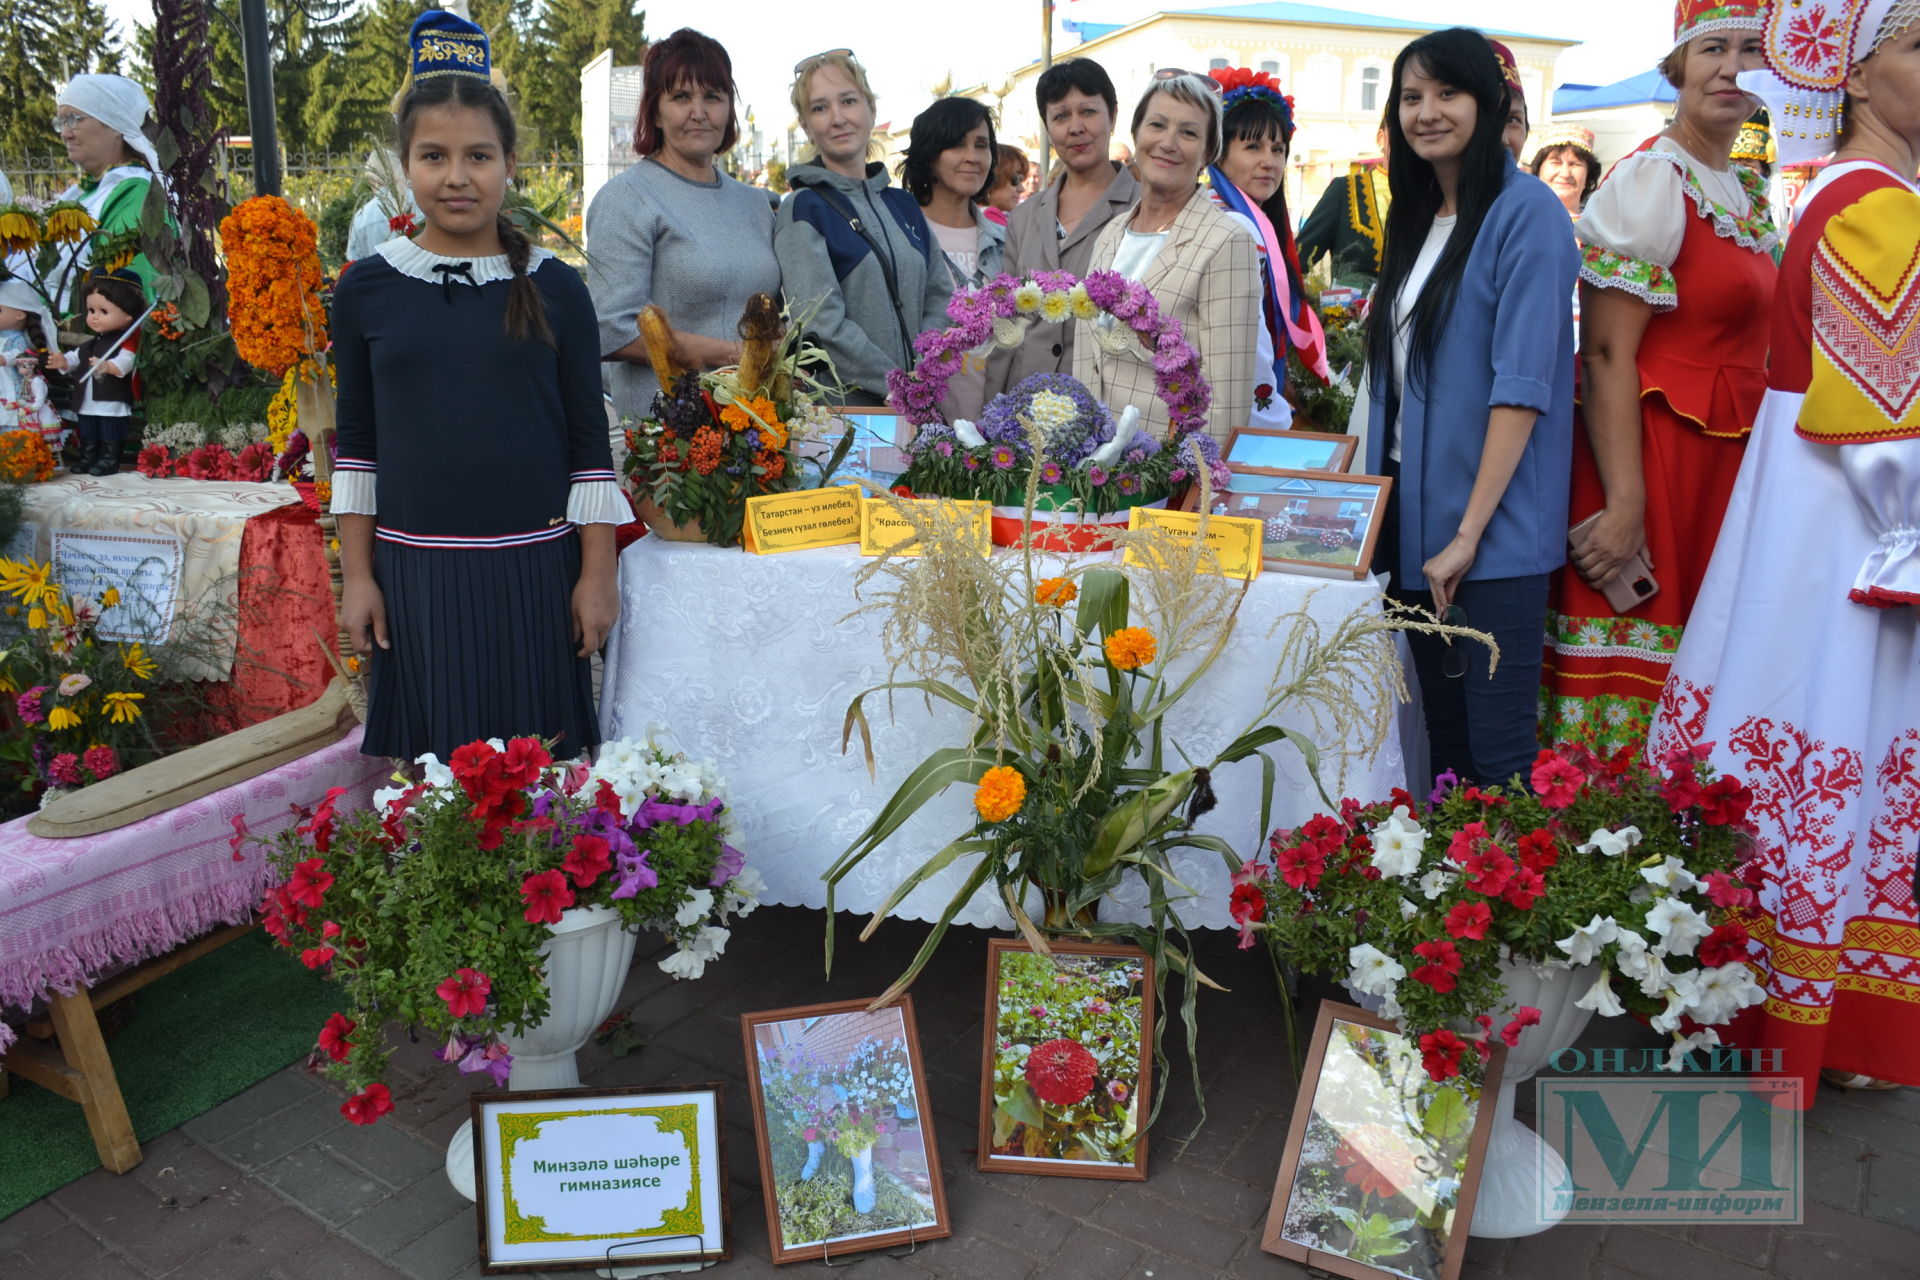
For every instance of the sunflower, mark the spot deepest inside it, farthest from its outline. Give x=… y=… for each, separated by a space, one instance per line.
x=69 y=223
x=18 y=230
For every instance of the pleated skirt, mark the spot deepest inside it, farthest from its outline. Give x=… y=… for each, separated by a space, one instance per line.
x=482 y=648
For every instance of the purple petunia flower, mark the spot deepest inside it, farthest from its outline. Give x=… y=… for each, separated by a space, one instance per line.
x=634 y=874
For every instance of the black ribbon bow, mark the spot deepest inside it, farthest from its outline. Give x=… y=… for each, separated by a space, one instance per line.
x=447 y=271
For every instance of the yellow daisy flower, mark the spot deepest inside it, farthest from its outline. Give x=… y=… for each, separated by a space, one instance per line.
x=134 y=658
x=121 y=708
x=63 y=718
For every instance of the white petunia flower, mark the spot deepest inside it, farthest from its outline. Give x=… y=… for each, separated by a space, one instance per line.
x=386 y=796
x=695 y=908
x=432 y=772
x=1667 y=1021
x=1600 y=998
x=710 y=942
x=1374 y=971
x=1678 y=925
x=1611 y=843
x=1683 y=1045
x=1397 y=843
x=1583 y=944
x=1645 y=965
x=1671 y=875
x=1436 y=882
x=1407 y=910
x=1716 y=995
x=683 y=964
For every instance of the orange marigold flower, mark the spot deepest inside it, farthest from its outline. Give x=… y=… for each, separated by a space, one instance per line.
x=753 y=412
x=1001 y=793
x=1131 y=647
x=24 y=457
x=1058 y=592
x=273 y=282
x=705 y=451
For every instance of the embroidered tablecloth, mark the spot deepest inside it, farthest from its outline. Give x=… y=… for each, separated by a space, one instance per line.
x=752 y=660
x=208 y=517
x=72 y=910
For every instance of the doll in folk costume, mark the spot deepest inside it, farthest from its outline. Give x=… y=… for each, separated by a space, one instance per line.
x=105 y=391
x=26 y=342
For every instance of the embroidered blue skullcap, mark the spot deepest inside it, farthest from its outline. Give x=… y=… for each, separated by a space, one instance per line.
x=446 y=44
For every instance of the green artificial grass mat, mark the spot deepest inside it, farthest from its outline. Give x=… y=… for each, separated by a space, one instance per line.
x=197 y=1037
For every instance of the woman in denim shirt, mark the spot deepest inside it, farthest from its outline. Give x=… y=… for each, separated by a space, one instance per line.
x=1471 y=347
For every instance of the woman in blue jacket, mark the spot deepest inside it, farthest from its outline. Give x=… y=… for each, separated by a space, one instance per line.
x=1471 y=347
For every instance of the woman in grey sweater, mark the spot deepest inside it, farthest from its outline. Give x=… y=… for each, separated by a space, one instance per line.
x=675 y=231
x=851 y=245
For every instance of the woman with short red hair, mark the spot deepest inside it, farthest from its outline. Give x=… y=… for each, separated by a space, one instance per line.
x=675 y=231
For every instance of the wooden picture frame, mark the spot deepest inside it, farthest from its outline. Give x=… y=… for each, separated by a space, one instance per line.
x=879 y=436
x=582 y=1174
x=810 y=1069
x=1269 y=450
x=1019 y=980
x=1354 y=1139
x=1349 y=506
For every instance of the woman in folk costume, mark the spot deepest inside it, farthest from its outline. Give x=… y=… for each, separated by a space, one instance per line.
x=100 y=119
x=1800 y=672
x=1676 y=277
x=1248 y=183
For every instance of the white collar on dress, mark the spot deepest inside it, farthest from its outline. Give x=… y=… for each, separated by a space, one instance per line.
x=409 y=259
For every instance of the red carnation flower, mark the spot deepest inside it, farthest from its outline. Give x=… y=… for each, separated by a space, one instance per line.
x=547 y=895
x=1469 y=920
x=1725 y=945
x=588 y=860
x=333 y=1037
x=1061 y=1072
x=310 y=881
x=1440 y=1053
x=466 y=992
x=369 y=1105
x=1556 y=781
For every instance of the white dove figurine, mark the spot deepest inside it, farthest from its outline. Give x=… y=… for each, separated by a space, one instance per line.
x=1109 y=453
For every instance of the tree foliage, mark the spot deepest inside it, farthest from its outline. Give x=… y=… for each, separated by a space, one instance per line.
x=43 y=43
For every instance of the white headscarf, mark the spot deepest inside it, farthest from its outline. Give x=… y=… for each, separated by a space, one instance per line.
x=116 y=102
x=22 y=296
x=6 y=189
x=1804 y=82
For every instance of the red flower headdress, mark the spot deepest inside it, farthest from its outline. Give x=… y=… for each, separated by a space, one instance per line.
x=1237 y=84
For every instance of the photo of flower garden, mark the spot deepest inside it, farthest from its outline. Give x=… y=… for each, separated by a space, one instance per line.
x=1380 y=1168
x=1066 y=1070
x=846 y=1150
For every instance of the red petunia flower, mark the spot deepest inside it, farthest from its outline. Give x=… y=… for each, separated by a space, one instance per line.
x=547 y=895
x=465 y=992
x=1525 y=888
x=588 y=860
x=1556 y=780
x=1247 y=904
x=522 y=762
x=239 y=837
x=309 y=882
x=368 y=1105
x=319 y=827
x=1725 y=891
x=1302 y=866
x=1526 y=1016
x=317 y=957
x=1724 y=802
x=1469 y=921
x=1443 y=961
x=1440 y=1053
x=1681 y=789
x=1489 y=872
x=1467 y=841
x=1061 y=1072
x=1725 y=945
x=1538 y=850
x=333 y=1037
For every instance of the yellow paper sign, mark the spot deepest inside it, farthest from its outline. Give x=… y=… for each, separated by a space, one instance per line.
x=798 y=521
x=882 y=528
x=1234 y=540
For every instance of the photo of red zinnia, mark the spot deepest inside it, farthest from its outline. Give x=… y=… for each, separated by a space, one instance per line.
x=333 y=1037
x=466 y=992
x=1061 y=1072
x=1440 y=1053
x=1556 y=781
x=547 y=895
x=368 y=1105
x=1469 y=920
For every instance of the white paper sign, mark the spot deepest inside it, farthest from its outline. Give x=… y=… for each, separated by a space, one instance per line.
x=143 y=568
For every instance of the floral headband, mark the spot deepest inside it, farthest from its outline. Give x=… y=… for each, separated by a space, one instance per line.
x=1242 y=84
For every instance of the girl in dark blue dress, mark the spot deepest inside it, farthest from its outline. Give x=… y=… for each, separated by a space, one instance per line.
x=475 y=489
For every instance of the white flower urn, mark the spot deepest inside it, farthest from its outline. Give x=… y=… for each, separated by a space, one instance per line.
x=1519 y=1168
x=586 y=962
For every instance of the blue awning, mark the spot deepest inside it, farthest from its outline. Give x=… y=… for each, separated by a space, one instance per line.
x=1647 y=87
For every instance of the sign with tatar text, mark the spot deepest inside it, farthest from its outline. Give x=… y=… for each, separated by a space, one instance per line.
x=1233 y=540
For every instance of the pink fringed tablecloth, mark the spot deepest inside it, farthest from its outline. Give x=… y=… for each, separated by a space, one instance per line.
x=73 y=910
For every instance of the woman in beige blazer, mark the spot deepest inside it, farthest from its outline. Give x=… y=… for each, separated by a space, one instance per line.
x=1200 y=265
x=1055 y=230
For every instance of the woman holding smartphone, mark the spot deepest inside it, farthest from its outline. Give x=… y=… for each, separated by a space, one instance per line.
x=1470 y=346
x=1676 y=278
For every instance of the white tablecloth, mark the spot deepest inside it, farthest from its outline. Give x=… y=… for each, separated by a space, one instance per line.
x=752 y=660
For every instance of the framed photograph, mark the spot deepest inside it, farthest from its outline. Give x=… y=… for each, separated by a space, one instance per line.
x=1316 y=522
x=878 y=435
x=568 y=1177
x=1263 y=450
x=1066 y=1064
x=840 y=1110
x=1382 y=1161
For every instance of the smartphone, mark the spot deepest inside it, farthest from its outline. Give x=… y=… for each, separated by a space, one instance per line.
x=1633 y=586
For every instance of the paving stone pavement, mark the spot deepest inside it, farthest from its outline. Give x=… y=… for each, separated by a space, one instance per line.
x=275 y=1185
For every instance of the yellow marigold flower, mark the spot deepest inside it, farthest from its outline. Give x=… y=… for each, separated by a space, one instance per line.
x=18 y=230
x=121 y=708
x=1058 y=592
x=1001 y=793
x=134 y=658
x=1130 y=647
x=69 y=224
x=323 y=491
x=63 y=718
